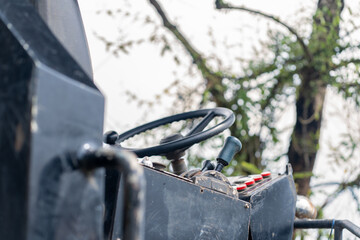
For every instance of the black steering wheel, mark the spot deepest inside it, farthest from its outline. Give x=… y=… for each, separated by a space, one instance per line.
x=195 y=135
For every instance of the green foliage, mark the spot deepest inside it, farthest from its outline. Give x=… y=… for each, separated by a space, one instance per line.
x=298 y=175
x=249 y=167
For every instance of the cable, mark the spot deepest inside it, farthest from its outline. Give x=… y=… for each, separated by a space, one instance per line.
x=332 y=228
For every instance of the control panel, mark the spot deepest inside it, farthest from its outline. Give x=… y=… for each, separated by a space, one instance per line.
x=203 y=203
x=247 y=185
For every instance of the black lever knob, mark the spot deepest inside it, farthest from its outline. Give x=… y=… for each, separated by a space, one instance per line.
x=231 y=147
x=207 y=165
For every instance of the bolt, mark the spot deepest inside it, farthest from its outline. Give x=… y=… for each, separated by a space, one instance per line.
x=110 y=137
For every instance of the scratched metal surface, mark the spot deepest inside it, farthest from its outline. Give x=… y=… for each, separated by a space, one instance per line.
x=64 y=19
x=48 y=105
x=40 y=43
x=15 y=112
x=66 y=117
x=177 y=209
x=273 y=210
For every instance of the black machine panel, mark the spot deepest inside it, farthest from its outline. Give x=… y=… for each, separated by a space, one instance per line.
x=178 y=209
x=273 y=209
x=272 y=199
x=64 y=20
x=48 y=106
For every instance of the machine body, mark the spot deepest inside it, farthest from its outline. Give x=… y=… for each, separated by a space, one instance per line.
x=51 y=127
x=48 y=105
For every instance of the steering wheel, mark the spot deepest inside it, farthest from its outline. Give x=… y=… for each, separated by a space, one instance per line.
x=195 y=135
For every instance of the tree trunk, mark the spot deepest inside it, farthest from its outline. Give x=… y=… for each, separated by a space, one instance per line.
x=311 y=94
x=305 y=138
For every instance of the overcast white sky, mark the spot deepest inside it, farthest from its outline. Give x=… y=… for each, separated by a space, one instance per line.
x=146 y=73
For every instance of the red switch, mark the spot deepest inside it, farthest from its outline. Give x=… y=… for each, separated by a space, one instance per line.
x=250 y=182
x=241 y=187
x=266 y=174
x=256 y=177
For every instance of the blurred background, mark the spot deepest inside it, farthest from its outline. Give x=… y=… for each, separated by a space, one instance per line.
x=288 y=69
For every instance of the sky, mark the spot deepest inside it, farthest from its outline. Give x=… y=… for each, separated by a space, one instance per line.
x=145 y=73
x=114 y=75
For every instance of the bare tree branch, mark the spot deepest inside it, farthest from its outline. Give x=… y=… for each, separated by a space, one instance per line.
x=195 y=55
x=212 y=78
x=342 y=186
x=221 y=5
x=198 y=59
x=267 y=69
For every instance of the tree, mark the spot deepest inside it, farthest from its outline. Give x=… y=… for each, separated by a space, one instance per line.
x=308 y=59
x=303 y=66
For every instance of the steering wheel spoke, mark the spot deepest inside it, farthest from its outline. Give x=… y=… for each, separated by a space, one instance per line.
x=202 y=125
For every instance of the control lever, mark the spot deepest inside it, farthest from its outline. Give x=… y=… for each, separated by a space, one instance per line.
x=207 y=165
x=231 y=147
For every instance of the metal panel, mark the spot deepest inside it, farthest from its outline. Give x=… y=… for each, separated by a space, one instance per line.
x=64 y=19
x=273 y=209
x=35 y=37
x=65 y=115
x=48 y=105
x=15 y=113
x=178 y=209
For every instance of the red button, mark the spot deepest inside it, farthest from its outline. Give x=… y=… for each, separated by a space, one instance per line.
x=266 y=174
x=250 y=182
x=240 y=187
x=242 y=180
x=256 y=177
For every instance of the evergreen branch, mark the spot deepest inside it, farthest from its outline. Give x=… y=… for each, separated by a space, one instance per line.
x=221 y=5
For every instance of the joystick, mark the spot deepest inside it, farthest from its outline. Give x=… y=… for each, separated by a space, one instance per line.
x=231 y=147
